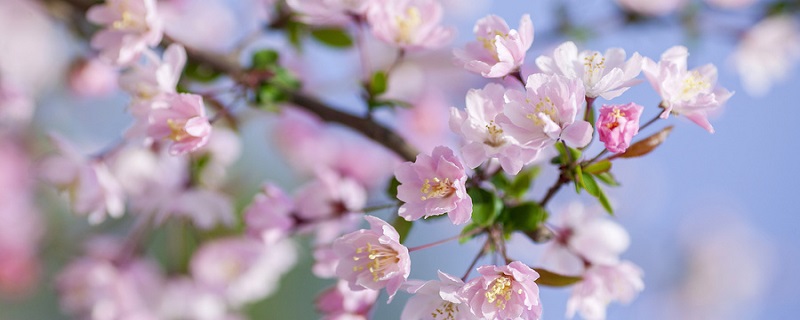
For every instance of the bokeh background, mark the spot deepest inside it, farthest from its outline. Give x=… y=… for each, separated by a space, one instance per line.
x=712 y=217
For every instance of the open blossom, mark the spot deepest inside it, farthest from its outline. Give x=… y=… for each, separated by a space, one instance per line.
x=91 y=187
x=184 y=298
x=180 y=118
x=584 y=236
x=692 y=93
x=409 y=24
x=546 y=112
x=269 y=215
x=341 y=302
x=618 y=124
x=499 y=50
x=434 y=185
x=479 y=125
x=242 y=269
x=131 y=27
x=156 y=75
x=767 y=53
x=437 y=300
x=374 y=258
x=205 y=208
x=601 y=285
x=507 y=292
x=331 y=205
x=329 y=12
x=605 y=75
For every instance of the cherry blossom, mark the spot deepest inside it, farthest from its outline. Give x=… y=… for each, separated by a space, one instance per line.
x=434 y=185
x=499 y=50
x=409 y=24
x=131 y=27
x=601 y=285
x=767 y=53
x=618 y=124
x=180 y=118
x=504 y=292
x=341 y=302
x=437 y=300
x=269 y=215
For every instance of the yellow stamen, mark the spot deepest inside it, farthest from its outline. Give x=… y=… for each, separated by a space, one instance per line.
x=447 y=311
x=407 y=24
x=500 y=292
x=545 y=106
x=440 y=189
x=379 y=257
x=495 y=135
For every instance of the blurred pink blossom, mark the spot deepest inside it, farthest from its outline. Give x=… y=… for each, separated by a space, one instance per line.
x=183 y=298
x=155 y=75
x=341 y=302
x=409 y=24
x=131 y=26
x=479 y=126
x=269 y=216
x=546 y=112
x=601 y=285
x=374 y=258
x=652 y=8
x=16 y=107
x=330 y=205
x=180 y=118
x=438 y=299
x=433 y=185
x=242 y=269
x=499 y=50
x=604 y=75
x=92 y=78
x=617 y=124
x=692 y=93
x=92 y=189
x=504 y=292
x=205 y=208
x=329 y=12
x=767 y=53
x=731 y=4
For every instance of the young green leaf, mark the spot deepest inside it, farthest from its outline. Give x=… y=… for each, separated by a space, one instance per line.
x=334 y=37
x=377 y=85
x=552 y=279
x=486 y=206
x=264 y=59
x=522 y=182
x=402 y=226
x=524 y=217
x=598 y=167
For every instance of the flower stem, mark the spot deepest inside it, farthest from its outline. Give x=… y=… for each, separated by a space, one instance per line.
x=436 y=243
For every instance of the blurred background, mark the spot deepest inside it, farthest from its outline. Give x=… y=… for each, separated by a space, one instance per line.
x=710 y=216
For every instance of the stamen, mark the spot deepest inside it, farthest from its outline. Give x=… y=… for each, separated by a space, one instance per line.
x=440 y=189
x=379 y=258
x=545 y=106
x=496 y=138
x=407 y=24
x=500 y=292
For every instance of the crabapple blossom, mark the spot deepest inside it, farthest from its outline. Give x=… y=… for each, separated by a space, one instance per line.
x=433 y=185
x=242 y=269
x=329 y=12
x=92 y=189
x=479 y=125
x=499 y=50
x=205 y=208
x=409 y=24
x=584 y=236
x=546 y=112
x=131 y=26
x=602 y=284
x=767 y=53
x=92 y=78
x=692 y=93
x=604 y=75
x=269 y=215
x=325 y=261
x=617 y=124
x=180 y=118
x=330 y=204
x=437 y=300
x=341 y=302
x=374 y=258
x=504 y=292
x=184 y=298
x=156 y=75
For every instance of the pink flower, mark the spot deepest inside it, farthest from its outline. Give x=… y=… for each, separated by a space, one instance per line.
x=329 y=12
x=409 y=24
x=92 y=189
x=180 y=118
x=692 y=93
x=499 y=49
x=269 y=216
x=479 y=125
x=242 y=269
x=767 y=53
x=507 y=292
x=131 y=27
x=156 y=75
x=184 y=298
x=731 y=4
x=340 y=301
x=434 y=185
x=330 y=204
x=605 y=75
x=439 y=299
x=584 y=237
x=325 y=261
x=16 y=106
x=374 y=258
x=618 y=124
x=546 y=112
x=205 y=208
x=601 y=285
x=92 y=78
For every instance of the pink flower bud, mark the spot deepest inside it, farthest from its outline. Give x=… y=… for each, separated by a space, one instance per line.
x=618 y=124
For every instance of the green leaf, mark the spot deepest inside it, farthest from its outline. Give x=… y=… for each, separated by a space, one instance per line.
x=486 y=206
x=402 y=226
x=333 y=37
x=579 y=183
x=604 y=201
x=575 y=154
x=200 y=72
x=295 y=31
x=598 y=167
x=522 y=182
x=391 y=190
x=268 y=97
x=284 y=79
x=552 y=279
x=597 y=192
x=526 y=216
x=500 y=181
x=264 y=59
x=607 y=178
x=377 y=85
